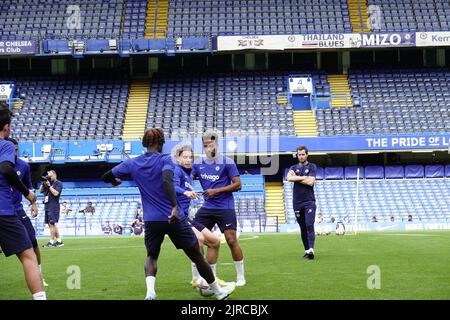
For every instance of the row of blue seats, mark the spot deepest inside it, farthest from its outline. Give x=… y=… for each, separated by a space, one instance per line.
x=380 y=172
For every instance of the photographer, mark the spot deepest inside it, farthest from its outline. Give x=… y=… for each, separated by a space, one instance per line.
x=51 y=189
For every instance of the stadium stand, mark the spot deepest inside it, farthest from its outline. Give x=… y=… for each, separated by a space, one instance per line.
x=134 y=19
x=411 y=15
x=248 y=17
x=392 y=101
x=56 y=19
x=241 y=103
x=118 y=205
x=74 y=109
x=388 y=191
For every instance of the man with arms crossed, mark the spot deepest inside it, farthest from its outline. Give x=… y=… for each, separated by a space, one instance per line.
x=303 y=175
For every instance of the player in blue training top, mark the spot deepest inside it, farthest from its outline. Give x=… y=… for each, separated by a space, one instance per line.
x=184 y=155
x=14 y=238
x=153 y=174
x=219 y=178
x=304 y=176
x=22 y=169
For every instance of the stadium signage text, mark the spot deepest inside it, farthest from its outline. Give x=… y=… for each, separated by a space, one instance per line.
x=436 y=39
x=408 y=142
x=323 y=41
x=76 y=151
x=17 y=47
x=404 y=39
x=337 y=40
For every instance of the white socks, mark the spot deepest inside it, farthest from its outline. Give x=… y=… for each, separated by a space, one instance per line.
x=195 y=274
x=239 y=269
x=39 y=296
x=311 y=250
x=150 y=286
x=213 y=268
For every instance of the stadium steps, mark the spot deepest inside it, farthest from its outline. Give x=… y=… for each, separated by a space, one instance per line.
x=122 y=21
x=150 y=20
x=282 y=98
x=156 y=21
x=340 y=91
x=275 y=201
x=163 y=16
x=137 y=108
x=305 y=123
x=355 y=18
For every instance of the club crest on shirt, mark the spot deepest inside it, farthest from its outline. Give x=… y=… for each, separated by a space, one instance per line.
x=306 y=171
x=217 y=168
x=297 y=171
x=19 y=173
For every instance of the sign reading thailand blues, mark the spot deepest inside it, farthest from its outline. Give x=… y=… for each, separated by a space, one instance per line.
x=17 y=47
x=376 y=40
x=337 y=40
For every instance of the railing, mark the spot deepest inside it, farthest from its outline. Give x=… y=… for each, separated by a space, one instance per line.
x=93 y=226
x=342 y=96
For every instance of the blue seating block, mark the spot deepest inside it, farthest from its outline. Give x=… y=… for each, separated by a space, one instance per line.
x=414 y=171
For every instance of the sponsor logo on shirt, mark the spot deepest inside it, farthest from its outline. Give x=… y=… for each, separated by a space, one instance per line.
x=211 y=177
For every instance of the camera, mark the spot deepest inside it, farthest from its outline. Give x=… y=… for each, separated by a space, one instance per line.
x=46 y=178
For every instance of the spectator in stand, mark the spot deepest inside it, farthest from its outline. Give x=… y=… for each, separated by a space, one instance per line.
x=118 y=228
x=89 y=209
x=107 y=230
x=137 y=228
x=65 y=208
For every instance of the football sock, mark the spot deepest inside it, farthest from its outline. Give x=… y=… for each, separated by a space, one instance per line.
x=213 y=268
x=239 y=269
x=195 y=274
x=39 y=296
x=150 y=285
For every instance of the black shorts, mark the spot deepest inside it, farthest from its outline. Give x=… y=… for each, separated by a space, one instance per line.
x=179 y=232
x=14 y=238
x=224 y=218
x=196 y=225
x=29 y=226
x=51 y=217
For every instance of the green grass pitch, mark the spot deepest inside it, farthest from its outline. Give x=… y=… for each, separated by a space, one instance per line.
x=413 y=265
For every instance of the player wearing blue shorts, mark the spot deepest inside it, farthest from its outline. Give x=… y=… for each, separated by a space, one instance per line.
x=14 y=238
x=22 y=169
x=153 y=174
x=304 y=176
x=219 y=178
x=184 y=155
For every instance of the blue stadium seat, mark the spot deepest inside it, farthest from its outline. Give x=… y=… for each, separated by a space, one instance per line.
x=334 y=173
x=414 y=171
x=351 y=172
x=434 y=171
x=319 y=173
x=447 y=170
x=395 y=172
x=374 y=172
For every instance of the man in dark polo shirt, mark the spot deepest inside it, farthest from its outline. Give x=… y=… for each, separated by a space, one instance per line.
x=303 y=175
